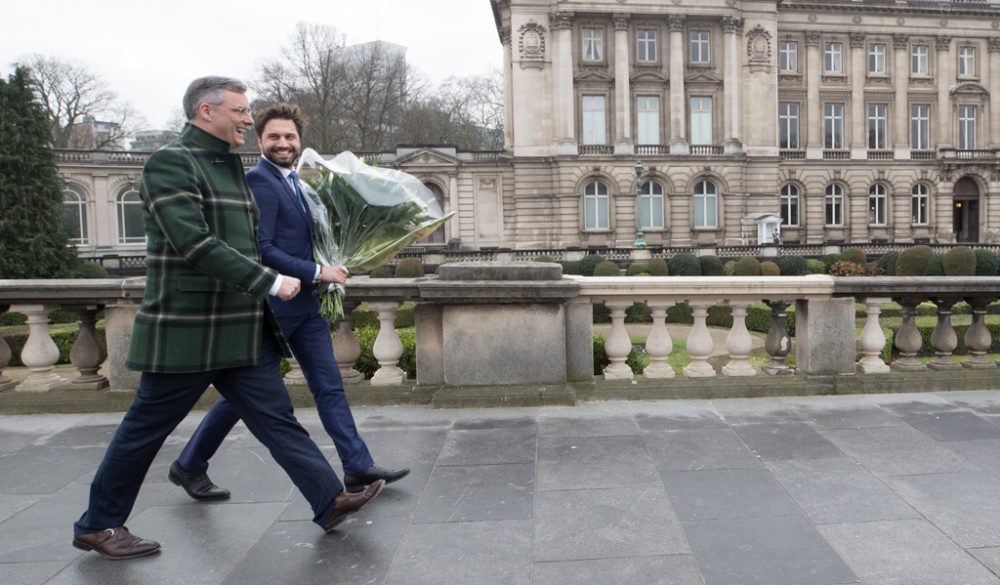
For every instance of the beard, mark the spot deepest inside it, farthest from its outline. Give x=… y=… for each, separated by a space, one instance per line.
x=282 y=157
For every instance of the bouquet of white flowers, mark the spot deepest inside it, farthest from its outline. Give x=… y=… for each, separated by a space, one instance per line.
x=362 y=216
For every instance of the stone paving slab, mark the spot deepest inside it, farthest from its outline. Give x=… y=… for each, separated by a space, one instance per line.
x=820 y=490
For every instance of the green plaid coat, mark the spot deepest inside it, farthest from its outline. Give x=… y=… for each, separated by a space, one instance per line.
x=205 y=304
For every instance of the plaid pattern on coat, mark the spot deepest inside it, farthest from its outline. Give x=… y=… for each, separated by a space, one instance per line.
x=205 y=303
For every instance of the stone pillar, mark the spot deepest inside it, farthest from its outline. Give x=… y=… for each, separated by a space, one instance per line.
x=618 y=344
x=739 y=343
x=387 y=348
x=944 y=339
x=565 y=97
x=579 y=340
x=900 y=77
x=945 y=79
x=858 y=139
x=678 y=104
x=977 y=337
x=994 y=138
x=347 y=350
x=658 y=343
x=5 y=355
x=118 y=320
x=508 y=88
x=777 y=344
x=814 y=118
x=40 y=353
x=908 y=340
x=88 y=353
x=732 y=27
x=943 y=212
x=824 y=332
x=623 y=97
x=699 y=342
x=873 y=339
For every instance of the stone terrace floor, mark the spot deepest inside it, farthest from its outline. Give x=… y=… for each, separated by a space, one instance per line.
x=877 y=489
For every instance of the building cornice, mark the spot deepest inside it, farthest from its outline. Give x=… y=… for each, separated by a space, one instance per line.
x=942 y=10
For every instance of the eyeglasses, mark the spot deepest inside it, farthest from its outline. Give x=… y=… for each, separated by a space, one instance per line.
x=241 y=110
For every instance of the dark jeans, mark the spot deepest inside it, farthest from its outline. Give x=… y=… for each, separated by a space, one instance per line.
x=309 y=338
x=161 y=403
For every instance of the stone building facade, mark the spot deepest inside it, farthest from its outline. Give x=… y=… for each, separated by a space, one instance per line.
x=854 y=121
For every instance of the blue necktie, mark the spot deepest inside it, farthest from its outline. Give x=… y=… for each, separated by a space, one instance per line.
x=298 y=190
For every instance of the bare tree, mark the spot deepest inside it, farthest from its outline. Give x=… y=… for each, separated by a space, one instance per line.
x=82 y=111
x=466 y=112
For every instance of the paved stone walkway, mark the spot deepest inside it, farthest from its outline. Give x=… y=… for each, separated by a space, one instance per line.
x=883 y=489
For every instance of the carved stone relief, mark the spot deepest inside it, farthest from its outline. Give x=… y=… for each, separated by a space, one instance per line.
x=531 y=44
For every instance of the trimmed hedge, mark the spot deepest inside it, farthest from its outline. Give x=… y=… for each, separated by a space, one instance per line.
x=658 y=267
x=747 y=266
x=768 y=268
x=960 y=261
x=792 y=265
x=710 y=265
x=409 y=268
x=637 y=269
x=589 y=263
x=684 y=264
x=607 y=268
x=572 y=267
x=913 y=261
x=888 y=262
x=987 y=263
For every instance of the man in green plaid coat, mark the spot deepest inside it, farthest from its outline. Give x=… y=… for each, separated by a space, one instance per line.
x=204 y=321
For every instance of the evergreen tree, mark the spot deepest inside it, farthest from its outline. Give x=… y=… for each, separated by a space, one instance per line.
x=33 y=241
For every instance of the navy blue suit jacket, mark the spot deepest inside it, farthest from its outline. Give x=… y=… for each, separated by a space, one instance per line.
x=285 y=237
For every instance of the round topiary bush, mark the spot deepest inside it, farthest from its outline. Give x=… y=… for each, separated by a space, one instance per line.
x=87 y=269
x=855 y=255
x=987 y=263
x=768 y=268
x=684 y=265
x=589 y=263
x=935 y=266
x=728 y=267
x=409 y=268
x=830 y=259
x=747 y=266
x=959 y=261
x=815 y=266
x=792 y=265
x=913 y=261
x=607 y=268
x=657 y=267
x=386 y=271
x=710 y=265
x=847 y=268
x=888 y=262
x=637 y=268
x=571 y=267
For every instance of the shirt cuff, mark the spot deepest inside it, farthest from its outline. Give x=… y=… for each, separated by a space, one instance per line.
x=316 y=278
x=276 y=286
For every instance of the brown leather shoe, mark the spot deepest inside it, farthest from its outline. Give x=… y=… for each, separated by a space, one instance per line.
x=116 y=544
x=348 y=503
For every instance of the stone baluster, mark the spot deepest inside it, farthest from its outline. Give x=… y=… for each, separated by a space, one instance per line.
x=347 y=351
x=658 y=343
x=739 y=343
x=40 y=353
x=88 y=353
x=873 y=339
x=908 y=340
x=699 y=342
x=5 y=355
x=618 y=344
x=977 y=337
x=777 y=344
x=387 y=348
x=294 y=375
x=944 y=340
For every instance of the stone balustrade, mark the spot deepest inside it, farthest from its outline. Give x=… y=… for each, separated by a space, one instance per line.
x=486 y=312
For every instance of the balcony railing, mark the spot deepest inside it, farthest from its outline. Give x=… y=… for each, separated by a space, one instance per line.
x=793 y=155
x=923 y=154
x=836 y=155
x=652 y=149
x=879 y=155
x=595 y=149
x=706 y=150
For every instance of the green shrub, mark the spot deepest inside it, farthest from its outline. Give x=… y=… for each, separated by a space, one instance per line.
x=637 y=268
x=658 y=267
x=607 y=268
x=639 y=313
x=8 y=319
x=720 y=316
x=747 y=266
x=680 y=313
x=935 y=266
x=728 y=267
x=62 y=316
x=888 y=262
x=847 y=268
x=409 y=268
x=88 y=270
x=959 y=261
x=792 y=265
x=589 y=263
x=367 y=364
x=710 y=265
x=572 y=267
x=684 y=264
x=987 y=263
x=602 y=314
x=856 y=255
x=913 y=261
x=385 y=271
x=768 y=268
x=816 y=267
x=363 y=317
x=830 y=259
x=601 y=361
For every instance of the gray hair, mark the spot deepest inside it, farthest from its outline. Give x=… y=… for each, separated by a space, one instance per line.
x=209 y=90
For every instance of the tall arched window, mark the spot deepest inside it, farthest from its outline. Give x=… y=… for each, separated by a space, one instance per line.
x=438 y=236
x=834 y=214
x=595 y=206
x=790 y=205
x=706 y=205
x=129 y=212
x=75 y=215
x=651 y=205
x=877 y=203
x=921 y=204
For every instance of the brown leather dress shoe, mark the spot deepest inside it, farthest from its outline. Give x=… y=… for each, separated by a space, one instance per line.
x=116 y=544
x=348 y=503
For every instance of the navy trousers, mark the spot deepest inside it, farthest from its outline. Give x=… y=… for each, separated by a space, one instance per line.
x=309 y=338
x=163 y=400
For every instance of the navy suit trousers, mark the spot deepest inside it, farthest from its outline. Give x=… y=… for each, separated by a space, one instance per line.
x=256 y=394
x=309 y=338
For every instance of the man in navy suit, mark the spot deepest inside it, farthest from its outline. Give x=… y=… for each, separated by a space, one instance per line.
x=286 y=245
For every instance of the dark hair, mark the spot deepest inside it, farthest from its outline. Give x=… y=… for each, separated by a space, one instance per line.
x=280 y=111
x=208 y=90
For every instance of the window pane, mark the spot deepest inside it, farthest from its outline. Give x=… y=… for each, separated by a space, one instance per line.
x=648 y=108
x=646 y=45
x=701 y=120
x=593 y=119
x=788 y=56
x=699 y=47
x=919 y=126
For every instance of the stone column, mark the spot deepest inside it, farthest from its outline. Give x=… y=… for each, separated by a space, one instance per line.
x=347 y=351
x=40 y=353
x=678 y=105
x=658 y=343
x=580 y=340
x=858 y=139
x=944 y=339
x=824 y=331
x=977 y=337
x=732 y=27
x=618 y=344
x=387 y=348
x=994 y=138
x=508 y=88
x=118 y=334
x=623 y=97
x=945 y=79
x=699 y=342
x=814 y=119
x=943 y=212
x=873 y=339
x=777 y=343
x=5 y=355
x=900 y=77
x=565 y=117
x=88 y=353
x=908 y=340
x=739 y=343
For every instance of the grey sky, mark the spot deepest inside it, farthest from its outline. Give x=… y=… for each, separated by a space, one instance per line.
x=149 y=51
